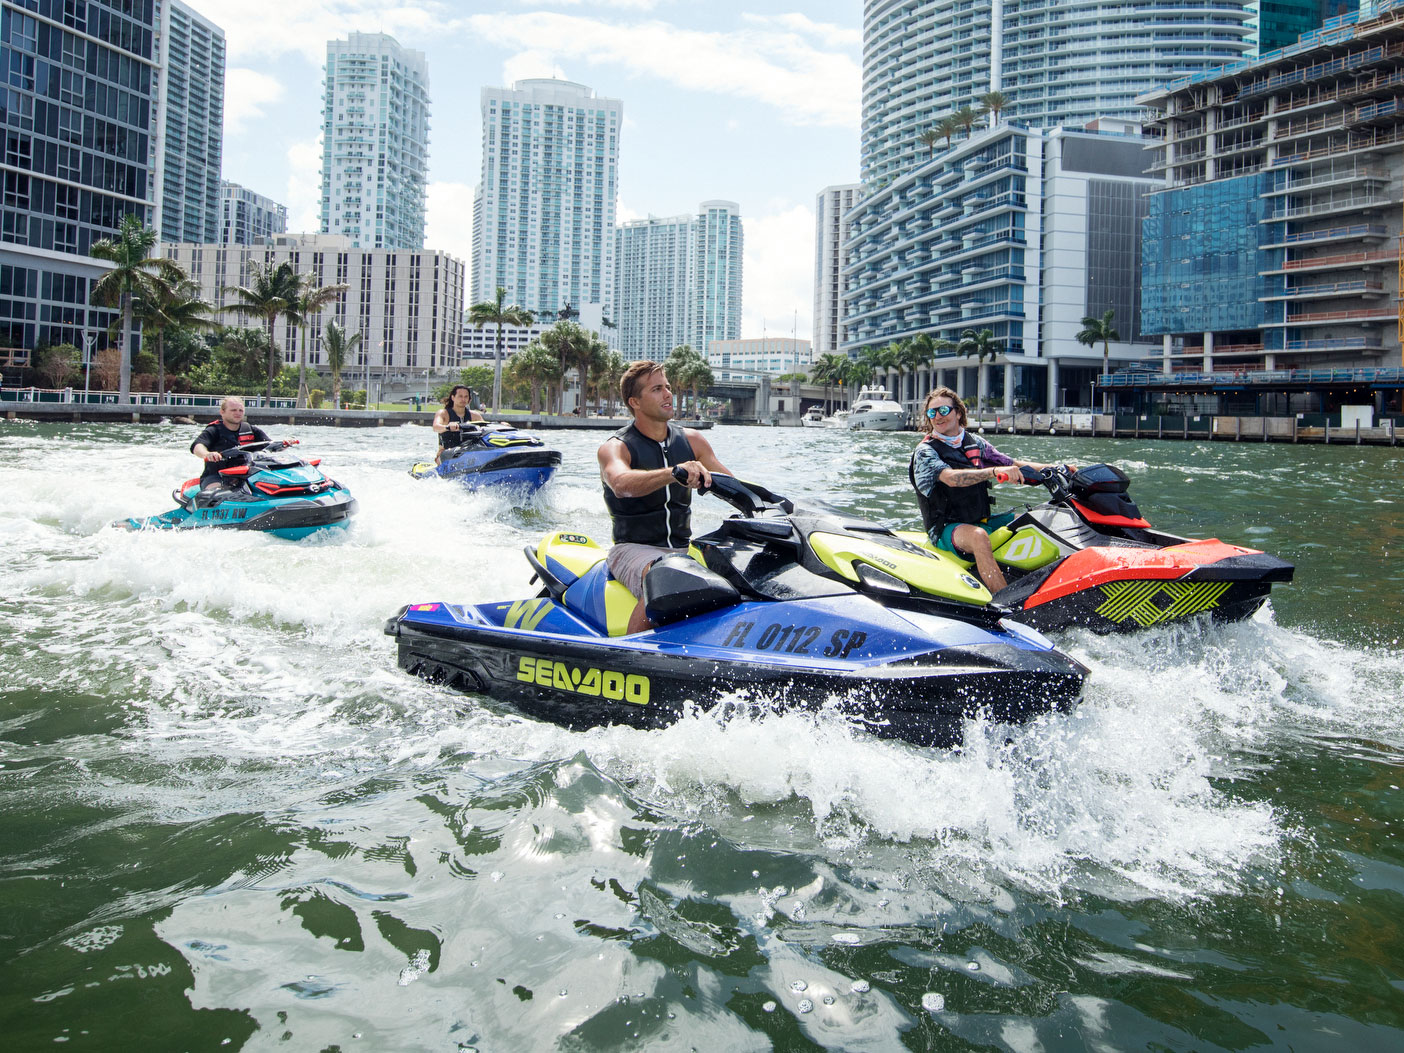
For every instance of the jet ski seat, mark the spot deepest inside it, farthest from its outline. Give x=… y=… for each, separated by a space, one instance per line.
x=678 y=587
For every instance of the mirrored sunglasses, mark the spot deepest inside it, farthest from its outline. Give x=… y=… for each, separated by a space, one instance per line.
x=939 y=411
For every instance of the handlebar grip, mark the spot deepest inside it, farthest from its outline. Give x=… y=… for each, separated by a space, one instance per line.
x=680 y=474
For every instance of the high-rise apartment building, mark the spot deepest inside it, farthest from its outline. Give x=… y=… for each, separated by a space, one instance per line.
x=1273 y=242
x=831 y=208
x=652 y=291
x=246 y=216
x=189 y=125
x=678 y=281
x=406 y=304
x=375 y=142
x=77 y=120
x=1056 y=63
x=543 y=215
x=955 y=232
x=716 y=285
x=1020 y=231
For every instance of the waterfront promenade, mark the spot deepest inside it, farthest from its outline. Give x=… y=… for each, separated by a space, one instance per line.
x=1314 y=428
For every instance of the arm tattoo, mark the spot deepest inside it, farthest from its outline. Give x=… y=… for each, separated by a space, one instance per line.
x=966 y=476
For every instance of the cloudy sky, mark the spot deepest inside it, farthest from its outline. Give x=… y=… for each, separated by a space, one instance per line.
x=754 y=102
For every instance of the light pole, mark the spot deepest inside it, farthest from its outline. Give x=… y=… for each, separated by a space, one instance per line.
x=89 y=339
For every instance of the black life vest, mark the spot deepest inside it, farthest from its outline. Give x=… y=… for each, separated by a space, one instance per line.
x=219 y=441
x=953 y=504
x=664 y=517
x=449 y=439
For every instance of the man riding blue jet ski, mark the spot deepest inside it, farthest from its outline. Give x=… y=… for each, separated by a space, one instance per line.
x=768 y=629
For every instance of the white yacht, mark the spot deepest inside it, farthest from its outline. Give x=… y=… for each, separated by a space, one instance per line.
x=874 y=410
x=813 y=418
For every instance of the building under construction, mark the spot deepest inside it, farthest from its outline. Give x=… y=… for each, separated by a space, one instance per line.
x=1272 y=258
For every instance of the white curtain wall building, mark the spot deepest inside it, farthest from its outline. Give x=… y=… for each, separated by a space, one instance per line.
x=831 y=208
x=375 y=142
x=543 y=213
x=1019 y=231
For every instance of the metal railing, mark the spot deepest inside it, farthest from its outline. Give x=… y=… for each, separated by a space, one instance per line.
x=1133 y=378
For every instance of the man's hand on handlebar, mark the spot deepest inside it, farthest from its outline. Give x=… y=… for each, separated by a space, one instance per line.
x=693 y=475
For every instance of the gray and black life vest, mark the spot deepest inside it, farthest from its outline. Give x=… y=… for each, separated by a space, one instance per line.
x=449 y=439
x=664 y=517
x=953 y=504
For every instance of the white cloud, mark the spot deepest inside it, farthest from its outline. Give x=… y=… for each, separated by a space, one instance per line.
x=247 y=93
x=304 y=193
x=263 y=29
x=448 y=220
x=768 y=62
x=778 y=270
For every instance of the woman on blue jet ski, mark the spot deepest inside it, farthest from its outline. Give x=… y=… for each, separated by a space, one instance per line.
x=650 y=509
x=449 y=421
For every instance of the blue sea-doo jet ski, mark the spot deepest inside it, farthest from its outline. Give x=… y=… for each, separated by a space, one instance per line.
x=786 y=610
x=496 y=455
x=265 y=489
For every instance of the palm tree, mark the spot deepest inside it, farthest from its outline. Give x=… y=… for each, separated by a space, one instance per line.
x=130 y=254
x=982 y=344
x=993 y=102
x=965 y=119
x=499 y=313
x=272 y=289
x=170 y=299
x=929 y=139
x=339 y=347
x=607 y=374
x=946 y=127
x=680 y=364
x=1094 y=329
x=857 y=374
x=310 y=301
x=570 y=343
x=241 y=352
x=534 y=367
x=829 y=370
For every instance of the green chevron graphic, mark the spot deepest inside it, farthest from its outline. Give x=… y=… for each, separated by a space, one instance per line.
x=1149 y=602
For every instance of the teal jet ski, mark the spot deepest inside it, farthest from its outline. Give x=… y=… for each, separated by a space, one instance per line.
x=775 y=609
x=266 y=489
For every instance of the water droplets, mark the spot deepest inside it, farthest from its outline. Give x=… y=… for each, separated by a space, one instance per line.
x=933 y=1001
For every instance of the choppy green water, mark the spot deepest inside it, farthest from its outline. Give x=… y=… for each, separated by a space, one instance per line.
x=228 y=821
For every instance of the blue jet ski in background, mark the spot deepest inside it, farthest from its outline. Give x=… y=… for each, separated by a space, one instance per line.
x=265 y=489
x=758 y=611
x=497 y=455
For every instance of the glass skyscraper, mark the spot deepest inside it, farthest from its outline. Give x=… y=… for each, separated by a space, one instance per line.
x=375 y=142
x=543 y=215
x=716 y=282
x=190 y=124
x=77 y=116
x=1056 y=63
x=678 y=281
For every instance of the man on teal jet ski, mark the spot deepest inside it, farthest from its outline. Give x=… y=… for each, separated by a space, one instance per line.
x=229 y=432
x=952 y=471
x=650 y=509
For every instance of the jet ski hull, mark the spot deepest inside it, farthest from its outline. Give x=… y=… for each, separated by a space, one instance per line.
x=290 y=518
x=288 y=498
x=900 y=675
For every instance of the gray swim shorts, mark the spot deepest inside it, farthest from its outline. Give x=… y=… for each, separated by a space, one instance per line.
x=628 y=561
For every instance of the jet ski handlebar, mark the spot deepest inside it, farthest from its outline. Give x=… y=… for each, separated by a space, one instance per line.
x=750 y=499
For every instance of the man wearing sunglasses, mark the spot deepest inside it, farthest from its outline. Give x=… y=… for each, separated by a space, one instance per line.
x=952 y=472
